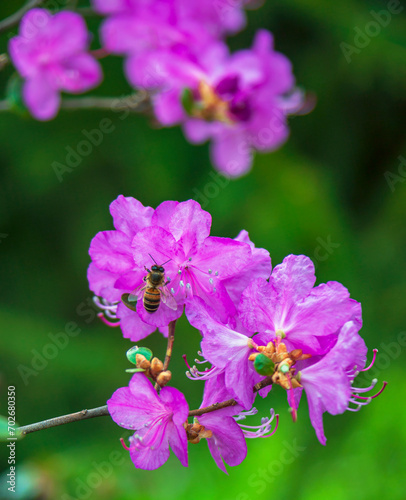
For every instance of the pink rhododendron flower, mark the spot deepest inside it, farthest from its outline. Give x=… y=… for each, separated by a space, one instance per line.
x=227 y=441
x=328 y=383
x=289 y=307
x=156 y=420
x=239 y=101
x=50 y=53
x=177 y=234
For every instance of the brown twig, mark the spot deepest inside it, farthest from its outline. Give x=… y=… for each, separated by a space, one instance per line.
x=15 y=18
x=128 y=103
x=103 y=410
x=169 y=347
x=65 y=419
x=229 y=402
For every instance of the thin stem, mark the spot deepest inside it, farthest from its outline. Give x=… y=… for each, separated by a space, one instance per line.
x=65 y=419
x=103 y=411
x=169 y=347
x=171 y=338
x=214 y=407
x=127 y=103
x=15 y=18
x=87 y=12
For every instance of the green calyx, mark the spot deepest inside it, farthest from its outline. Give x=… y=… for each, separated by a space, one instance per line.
x=263 y=365
x=188 y=101
x=132 y=353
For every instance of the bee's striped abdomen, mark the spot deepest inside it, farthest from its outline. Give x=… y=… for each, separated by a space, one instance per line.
x=152 y=299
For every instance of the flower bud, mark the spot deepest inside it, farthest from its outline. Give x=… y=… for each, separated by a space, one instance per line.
x=132 y=353
x=142 y=362
x=164 y=377
x=263 y=365
x=156 y=366
x=253 y=356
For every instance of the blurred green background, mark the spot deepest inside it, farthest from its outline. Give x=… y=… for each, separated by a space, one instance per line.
x=339 y=179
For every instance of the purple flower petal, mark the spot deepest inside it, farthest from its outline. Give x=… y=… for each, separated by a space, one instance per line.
x=79 y=74
x=231 y=152
x=41 y=98
x=132 y=326
x=130 y=215
x=111 y=251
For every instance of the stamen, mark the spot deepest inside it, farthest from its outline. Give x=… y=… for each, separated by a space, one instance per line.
x=190 y=258
x=208 y=373
x=185 y=360
x=211 y=281
x=107 y=322
x=104 y=304
x=354 y=409
x=291 y=399
x=124 y=445
x=216 y=273
x=210 y=271
x=181 y=283
x=365 y=389
x=372 y=362
x=246 y=413
x=263 y=430
x=375 y=395
x=200 y=362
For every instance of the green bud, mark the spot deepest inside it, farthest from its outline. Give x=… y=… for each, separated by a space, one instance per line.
x=131 y=353
x=135 y=370
x=263 y=365
x=187 y=101
x=284 y=368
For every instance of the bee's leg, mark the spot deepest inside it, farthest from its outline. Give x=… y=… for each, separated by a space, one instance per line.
x=144 y=278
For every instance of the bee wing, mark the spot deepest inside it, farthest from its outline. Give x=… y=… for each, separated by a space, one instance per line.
x=167 y=298
x=130 y=299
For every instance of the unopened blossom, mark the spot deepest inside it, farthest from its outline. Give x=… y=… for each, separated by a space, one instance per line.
x=288 y=306
x=157 y=421
x=238 y=101
x=177 y=234
x=227 y=441
x=51 y=54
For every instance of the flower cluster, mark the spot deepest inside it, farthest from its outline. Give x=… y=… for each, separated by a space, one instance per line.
x=260 y=328
x=174 y=50
x=51 y=54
